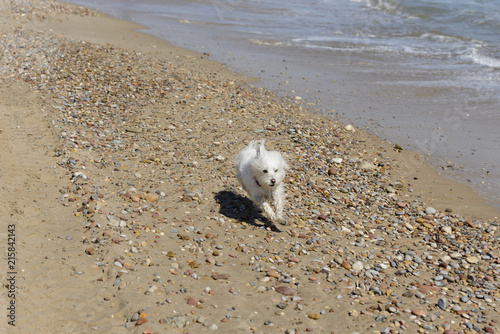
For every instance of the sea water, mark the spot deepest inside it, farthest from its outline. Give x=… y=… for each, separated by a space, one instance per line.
x=422 y=73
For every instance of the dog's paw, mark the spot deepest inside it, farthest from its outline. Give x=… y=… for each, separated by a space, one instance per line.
x=280 y=220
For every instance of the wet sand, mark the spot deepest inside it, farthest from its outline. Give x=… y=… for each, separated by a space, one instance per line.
x=117 y=172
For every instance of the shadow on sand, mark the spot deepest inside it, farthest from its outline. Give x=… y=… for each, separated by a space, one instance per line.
x=233 y=205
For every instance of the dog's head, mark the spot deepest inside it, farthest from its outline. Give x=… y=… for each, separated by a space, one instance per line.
x=268 y=167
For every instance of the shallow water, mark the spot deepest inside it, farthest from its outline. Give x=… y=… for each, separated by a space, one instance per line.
x=424 y=73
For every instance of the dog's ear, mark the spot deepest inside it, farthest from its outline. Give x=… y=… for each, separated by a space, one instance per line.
x=260 y=149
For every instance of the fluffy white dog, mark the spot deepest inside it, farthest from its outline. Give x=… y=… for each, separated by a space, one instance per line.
x=261 y=174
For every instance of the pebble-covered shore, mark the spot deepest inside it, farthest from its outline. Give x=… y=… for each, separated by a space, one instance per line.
x=148 y=145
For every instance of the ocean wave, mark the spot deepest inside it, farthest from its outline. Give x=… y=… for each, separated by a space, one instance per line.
x=439 y=37
x=267 y=43
x=371 y=43
x=390 y=6
x=483 y=60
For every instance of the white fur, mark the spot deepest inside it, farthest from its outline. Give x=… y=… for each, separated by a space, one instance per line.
x=261 y=174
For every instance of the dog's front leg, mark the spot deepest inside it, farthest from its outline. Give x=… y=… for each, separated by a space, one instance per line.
x=268 y=210
x=278 y=204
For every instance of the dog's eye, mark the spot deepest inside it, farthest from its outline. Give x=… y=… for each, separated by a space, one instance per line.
x=265 y=171
x=275 y=170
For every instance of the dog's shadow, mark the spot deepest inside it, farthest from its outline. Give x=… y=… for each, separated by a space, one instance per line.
x=233 y=205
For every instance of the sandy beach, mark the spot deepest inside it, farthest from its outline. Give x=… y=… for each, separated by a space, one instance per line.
x=122 y=213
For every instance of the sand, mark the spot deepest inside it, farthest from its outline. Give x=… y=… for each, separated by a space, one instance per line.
x=118 y=187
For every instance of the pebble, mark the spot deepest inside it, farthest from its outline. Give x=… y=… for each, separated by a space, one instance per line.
x=418 y=312
x=441 y=303
x=192 y=301
x=284 y=290
x=472 y=259
x=178 y=321
x=346 y=265
x=419 y=295
x=365 y=165
x=430 y=210
x=358 y=265
x=447 y=229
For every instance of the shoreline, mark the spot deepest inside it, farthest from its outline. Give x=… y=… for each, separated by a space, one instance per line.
x=117 y=171
x=143 y=41
x=438 y=123
x=351 y=98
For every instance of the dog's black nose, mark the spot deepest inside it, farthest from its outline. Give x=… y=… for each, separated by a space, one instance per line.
x=273 y=181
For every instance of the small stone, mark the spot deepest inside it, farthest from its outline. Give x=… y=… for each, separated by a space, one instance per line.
x=261 y=289
x=430 y=210
x=358 y=265
x=346 y=265
x=273 y=273
x=216 y=276
x=365 y=165
x=418 y=312
x=408 y=294
x=152 y=289
x=151 y=198
x=441 y=303
x=314 y=316
x=192 y=301
x=446 y=229
x=90 y=251
x=141 y=321
x=213 y=327
x=470 y=224
x=472 y=259
x=390 y=190
x=354 y=313
x=178 y=321
x=284 y=290
x=419 y=295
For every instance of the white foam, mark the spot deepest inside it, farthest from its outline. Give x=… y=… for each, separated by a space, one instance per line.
x=480 y=59
x=391 y=6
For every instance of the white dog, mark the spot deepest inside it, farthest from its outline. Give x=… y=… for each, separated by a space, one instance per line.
x=261 y=174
